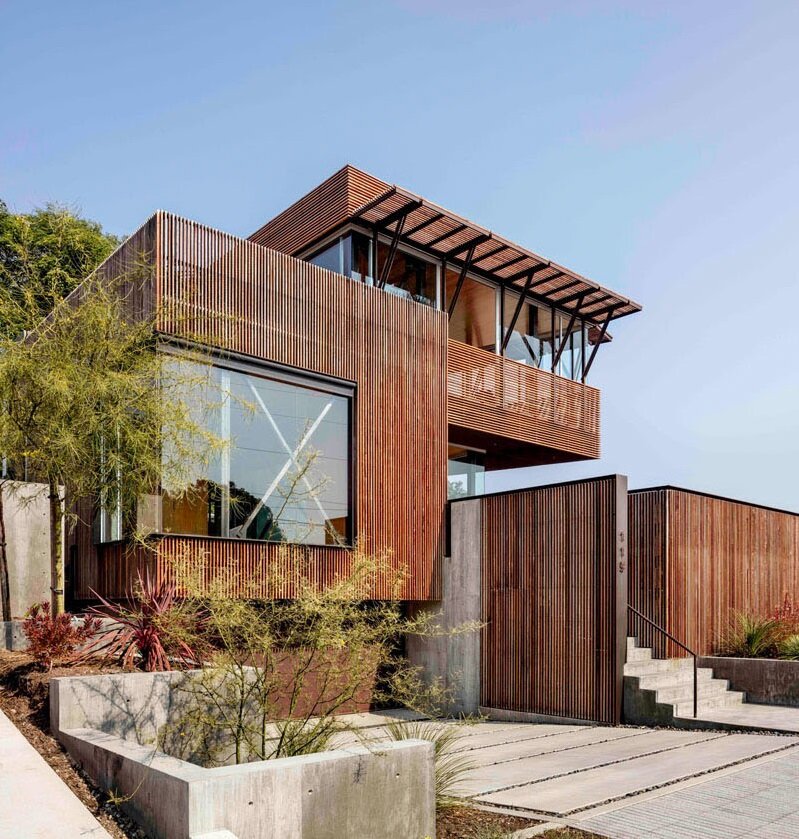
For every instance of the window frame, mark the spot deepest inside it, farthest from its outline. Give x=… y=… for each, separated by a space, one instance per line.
x=297 y=377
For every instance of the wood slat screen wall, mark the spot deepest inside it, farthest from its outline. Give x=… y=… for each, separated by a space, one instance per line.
x=323 y=209
x=241 y=297
x=696 y=559
x=554 y=599
x=496 y=395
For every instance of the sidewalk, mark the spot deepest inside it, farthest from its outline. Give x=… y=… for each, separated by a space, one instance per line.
x=36 y=803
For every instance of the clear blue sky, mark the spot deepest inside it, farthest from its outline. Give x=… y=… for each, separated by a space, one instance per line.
x=653 y=146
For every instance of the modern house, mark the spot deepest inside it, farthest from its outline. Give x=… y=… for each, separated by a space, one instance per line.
x=409 y=349
x=391 y=353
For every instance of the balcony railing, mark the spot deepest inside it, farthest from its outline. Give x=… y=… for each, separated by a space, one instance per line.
x=501 y=397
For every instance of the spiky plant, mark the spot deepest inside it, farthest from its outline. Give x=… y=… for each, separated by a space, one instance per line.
x=451 y=766
x=751 y=636
x=789 y=648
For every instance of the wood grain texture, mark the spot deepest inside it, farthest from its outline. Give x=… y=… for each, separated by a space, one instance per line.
x=696 y=559
x=494 y=395
x=553 y=596
x=321 y=211
x=241 y=297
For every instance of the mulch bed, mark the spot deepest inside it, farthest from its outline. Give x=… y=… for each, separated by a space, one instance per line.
x=470 y=823
x=24 y=699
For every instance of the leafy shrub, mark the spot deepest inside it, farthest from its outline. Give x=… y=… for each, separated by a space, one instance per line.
x=750 y=636
x=789 y=647
x=451 y=767
x=153 y=630
x=55 y=638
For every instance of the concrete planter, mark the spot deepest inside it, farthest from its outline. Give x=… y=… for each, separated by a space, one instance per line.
x=764 y=680
x=108 y=724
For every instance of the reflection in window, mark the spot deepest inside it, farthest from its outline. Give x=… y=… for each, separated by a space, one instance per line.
x=474 y=320
x=350 y=255
x=530 y=341
x=410 y=276
x=465 y=472
x=284 y=474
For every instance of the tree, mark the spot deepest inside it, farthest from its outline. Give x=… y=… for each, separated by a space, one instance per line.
x=95 y=409
x=44 y=255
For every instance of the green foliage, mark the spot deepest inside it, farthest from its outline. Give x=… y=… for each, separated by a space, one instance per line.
x=789 y=648
x=44 y=255
x=451 y=766
x=282 y=663
x=96 y=410
x=750 y=636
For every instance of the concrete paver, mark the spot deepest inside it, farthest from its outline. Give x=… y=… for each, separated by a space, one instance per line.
x=36 y=803
x=595 y=786
x=496 y=779
x=750 y=801
x=753 y=716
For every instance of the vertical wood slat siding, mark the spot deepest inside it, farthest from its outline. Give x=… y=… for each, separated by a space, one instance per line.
x=551 y=600
x=647 y=572
x=323 y=209
x=239 y=296
x=132 y=266
x=720 y=556
x=499 y=396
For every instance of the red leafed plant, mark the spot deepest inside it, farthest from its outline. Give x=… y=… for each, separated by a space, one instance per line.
x=153 y=630
x=788 y=615
x=54 y=638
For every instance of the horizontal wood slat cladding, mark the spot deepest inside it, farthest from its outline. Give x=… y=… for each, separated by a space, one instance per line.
x=242 y=297
x=554 y=599
x=499 y=396
x=320 y=211
x=720 y=556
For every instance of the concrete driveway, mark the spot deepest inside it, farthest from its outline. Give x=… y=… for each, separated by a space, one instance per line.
x=560 y=770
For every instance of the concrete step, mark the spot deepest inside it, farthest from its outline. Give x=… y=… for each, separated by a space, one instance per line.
x=671 y=678
x=676 y=694
x=729 y=699
x=658 y=665
x=638 y=653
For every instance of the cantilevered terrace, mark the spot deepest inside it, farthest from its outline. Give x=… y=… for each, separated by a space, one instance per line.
x=523 y=331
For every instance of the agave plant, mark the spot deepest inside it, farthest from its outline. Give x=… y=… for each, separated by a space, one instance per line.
x=451 y=767
x=152 y=629
x=751 y=636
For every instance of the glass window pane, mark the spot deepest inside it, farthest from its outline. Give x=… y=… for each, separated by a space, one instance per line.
x=410 y=276
x=465 y=471
x=285 y=473
x=329 y=257
x=530 y=341
x=361 y=257
x=474 y=320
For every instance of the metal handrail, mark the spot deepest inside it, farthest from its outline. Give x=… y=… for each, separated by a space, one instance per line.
x=678 y=643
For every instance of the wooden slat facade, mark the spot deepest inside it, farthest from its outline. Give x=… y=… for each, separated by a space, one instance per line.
x=554 y=599
x=497 y=396
x=695 y=559
x=241 y=297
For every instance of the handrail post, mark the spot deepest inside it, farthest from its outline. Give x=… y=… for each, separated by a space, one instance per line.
x=695 y=687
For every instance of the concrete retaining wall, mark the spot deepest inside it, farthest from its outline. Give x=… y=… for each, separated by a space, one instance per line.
x=764 y=680
x=109 y=723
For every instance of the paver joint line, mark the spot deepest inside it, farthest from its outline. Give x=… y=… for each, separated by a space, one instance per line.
x=595 y=766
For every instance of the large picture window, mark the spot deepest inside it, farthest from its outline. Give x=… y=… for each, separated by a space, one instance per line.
x=283 y=474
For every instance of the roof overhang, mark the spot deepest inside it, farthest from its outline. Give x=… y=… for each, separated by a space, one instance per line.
x=445 y=236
